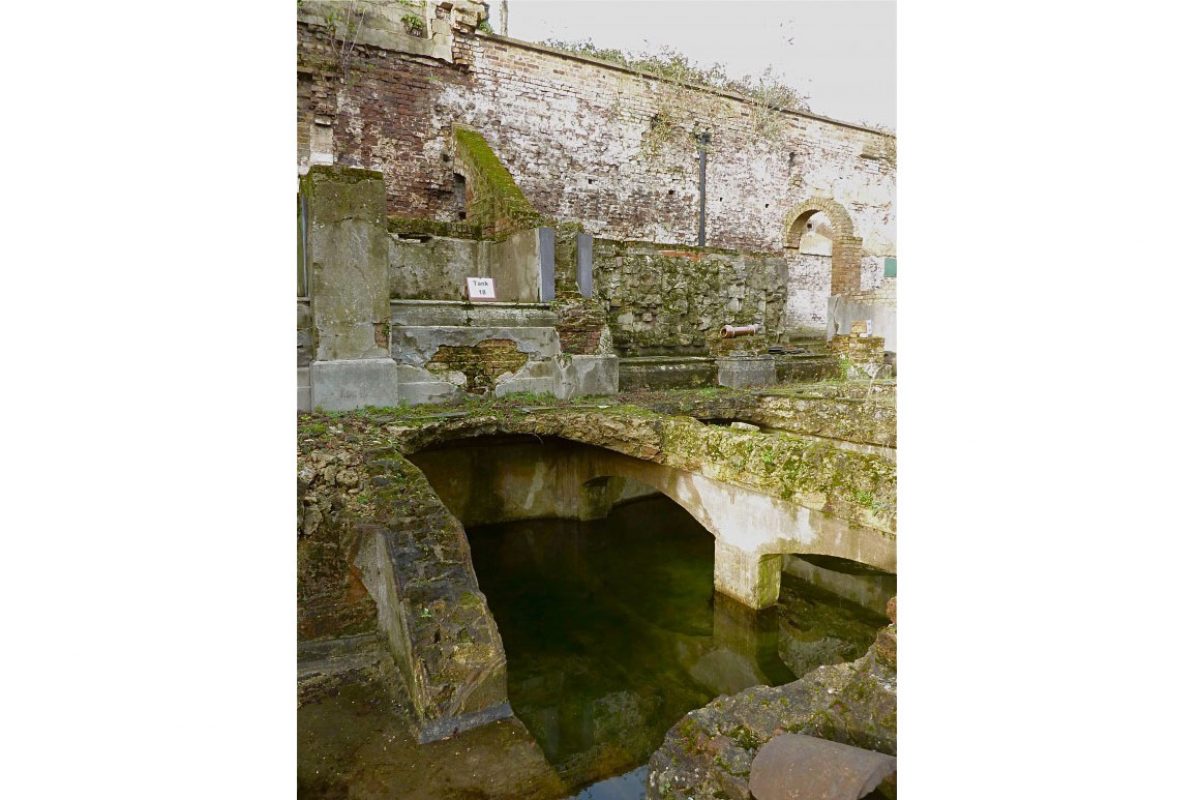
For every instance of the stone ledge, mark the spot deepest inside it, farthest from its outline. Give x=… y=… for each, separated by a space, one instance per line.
x=347 y=385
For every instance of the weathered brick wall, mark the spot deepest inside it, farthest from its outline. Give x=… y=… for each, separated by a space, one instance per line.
x=666 y=300
x=580 y=325
x=808 y=289
x=482 y=363
x=581 y=140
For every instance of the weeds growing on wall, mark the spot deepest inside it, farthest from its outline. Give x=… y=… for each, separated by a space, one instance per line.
x=344 y=21
x=679 y=109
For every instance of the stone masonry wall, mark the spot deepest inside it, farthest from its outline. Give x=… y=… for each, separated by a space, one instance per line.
x=666 y=300
x=591 y=142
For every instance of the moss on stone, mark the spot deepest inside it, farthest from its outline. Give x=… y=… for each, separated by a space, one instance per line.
x=417 y=226
x=498 y=205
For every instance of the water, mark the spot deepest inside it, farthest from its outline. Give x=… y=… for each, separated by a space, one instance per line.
x=612 y=634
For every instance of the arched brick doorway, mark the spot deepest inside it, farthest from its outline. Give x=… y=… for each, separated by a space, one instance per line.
x=847 y=248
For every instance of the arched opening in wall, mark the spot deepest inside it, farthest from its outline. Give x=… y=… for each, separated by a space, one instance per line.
x=460 y=195
x=830 y=610
x=602 y=590
x=809 y=253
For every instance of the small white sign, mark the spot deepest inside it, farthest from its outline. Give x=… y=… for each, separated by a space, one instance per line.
x=481 y=289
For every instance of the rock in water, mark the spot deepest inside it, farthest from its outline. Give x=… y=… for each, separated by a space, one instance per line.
x=798 y=767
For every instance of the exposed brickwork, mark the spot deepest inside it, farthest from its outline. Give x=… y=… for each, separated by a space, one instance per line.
x=864 y=353
x=577 y=137
x=580 y=326
x=482 y=364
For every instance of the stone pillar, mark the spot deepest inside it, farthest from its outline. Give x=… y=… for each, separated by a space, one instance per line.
x=583 y=263
x=347 y=253
x=749 y=578
x=846 y=265
x=545 y=264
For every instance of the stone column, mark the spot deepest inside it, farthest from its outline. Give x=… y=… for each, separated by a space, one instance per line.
x=749 y=578
x=347 y=252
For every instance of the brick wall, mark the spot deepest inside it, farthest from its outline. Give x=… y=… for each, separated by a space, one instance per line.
x=581 y=141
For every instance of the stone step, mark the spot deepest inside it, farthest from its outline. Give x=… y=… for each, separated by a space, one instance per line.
x=667 y=372
x=806 y=369
x=417 y=344
x=459 y=314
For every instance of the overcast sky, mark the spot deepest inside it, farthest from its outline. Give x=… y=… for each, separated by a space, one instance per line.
x=842 y=53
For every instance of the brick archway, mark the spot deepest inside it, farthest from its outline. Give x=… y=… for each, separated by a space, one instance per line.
x=847 y=248
x=793 y=221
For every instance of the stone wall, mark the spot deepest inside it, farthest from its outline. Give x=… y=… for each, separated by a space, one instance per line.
x=666 y=300
x=587 y=141
x=435 y=267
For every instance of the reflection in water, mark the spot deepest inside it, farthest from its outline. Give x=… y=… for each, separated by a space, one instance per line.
x=612 y=632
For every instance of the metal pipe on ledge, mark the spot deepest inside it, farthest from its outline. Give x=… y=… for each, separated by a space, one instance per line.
x=731 y=331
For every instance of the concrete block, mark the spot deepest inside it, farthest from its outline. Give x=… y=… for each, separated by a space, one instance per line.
x=532 y=385
x=351 y=384
x=303 y=390
x=347 y=248
x=539 y=369
x=751 y=579
x=415 y=393
x=515 y=266
x=667 y=372
x=590 y=375
x=738 y=373
x=416 y=386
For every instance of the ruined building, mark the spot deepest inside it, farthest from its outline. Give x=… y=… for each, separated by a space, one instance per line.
x=478 y=217
x=623 y=217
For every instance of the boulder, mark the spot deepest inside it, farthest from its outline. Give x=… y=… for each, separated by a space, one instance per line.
x=798 y=767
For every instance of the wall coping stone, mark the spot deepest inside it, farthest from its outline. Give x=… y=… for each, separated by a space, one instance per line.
x=541 y=48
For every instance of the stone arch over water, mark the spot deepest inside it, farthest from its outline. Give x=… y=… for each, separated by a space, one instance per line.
x=494 y=479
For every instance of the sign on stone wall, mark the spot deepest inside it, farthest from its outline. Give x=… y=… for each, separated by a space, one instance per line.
x=481 y=289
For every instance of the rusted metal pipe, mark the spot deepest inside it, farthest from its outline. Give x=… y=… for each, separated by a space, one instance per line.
x=730 y=331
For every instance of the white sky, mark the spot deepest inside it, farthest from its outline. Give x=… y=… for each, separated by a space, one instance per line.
x=842 y=53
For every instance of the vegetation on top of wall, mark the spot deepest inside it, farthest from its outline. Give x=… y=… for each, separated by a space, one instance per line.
x=497 y=204
x=677 y=103
x=419 y=226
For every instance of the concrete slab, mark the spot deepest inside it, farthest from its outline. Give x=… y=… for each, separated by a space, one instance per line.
x=589 y=375
x=655 y=372
x=516 y=267
x=531 y=385
x=350 y=384
x=416 y=393
x=424 y=313
x=347 y=248
x=738 y=373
